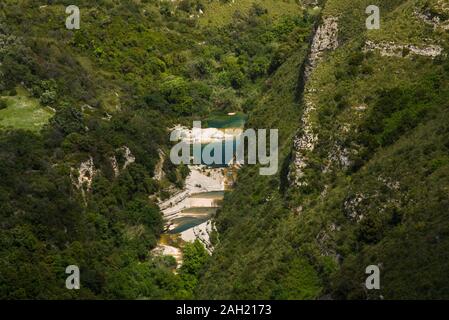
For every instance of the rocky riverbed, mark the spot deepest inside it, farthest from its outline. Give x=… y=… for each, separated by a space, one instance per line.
x=188 y=213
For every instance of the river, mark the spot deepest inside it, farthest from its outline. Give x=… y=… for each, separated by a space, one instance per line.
x=189 y=212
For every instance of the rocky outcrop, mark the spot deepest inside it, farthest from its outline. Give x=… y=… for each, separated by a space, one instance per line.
x=354 y=208
x=385 y=196
x=325 y=39
x=83 y=175
x=202 y=233
x=304 y=143
x=338 y=156
x=158 y=172
x=430 y=18
x=129 y=157
x=391 y=49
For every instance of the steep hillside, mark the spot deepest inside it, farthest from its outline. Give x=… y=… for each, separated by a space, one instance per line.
x=82 y=124
x=363 y=120
x=366 y=180
x=84 y=118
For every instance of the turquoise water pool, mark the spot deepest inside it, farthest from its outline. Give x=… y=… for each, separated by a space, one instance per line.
x=185 y=223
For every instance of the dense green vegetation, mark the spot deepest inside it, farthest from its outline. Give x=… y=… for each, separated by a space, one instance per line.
x=84 y=115
x=387 y=207
x=76 y=106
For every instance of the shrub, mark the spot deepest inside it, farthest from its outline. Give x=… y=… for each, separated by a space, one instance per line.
x=3 y=104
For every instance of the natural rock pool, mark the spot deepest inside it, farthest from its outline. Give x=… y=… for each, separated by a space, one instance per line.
x=188 y=213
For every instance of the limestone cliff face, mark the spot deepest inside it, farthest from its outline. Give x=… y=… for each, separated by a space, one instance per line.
x=129 y=157
x=158 y=170
x=391 y=49
x=83 y=175
x=86 y=172
x=435 y=18
x=324 y=40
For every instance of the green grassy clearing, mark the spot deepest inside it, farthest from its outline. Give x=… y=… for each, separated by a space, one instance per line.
x=24 y=112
